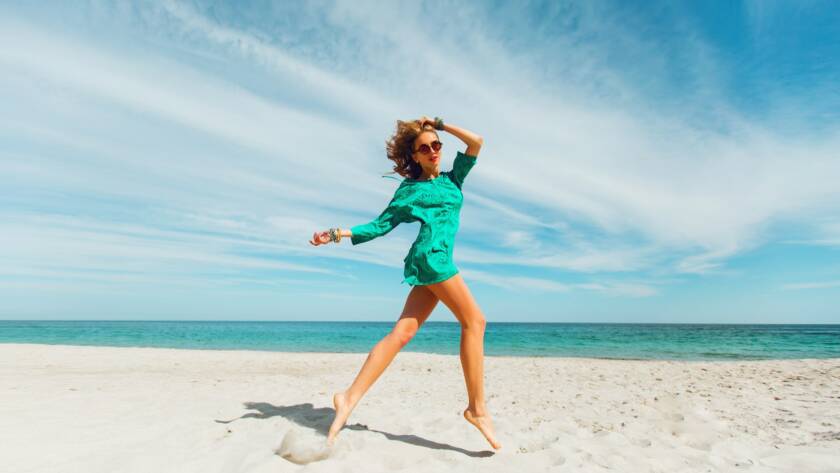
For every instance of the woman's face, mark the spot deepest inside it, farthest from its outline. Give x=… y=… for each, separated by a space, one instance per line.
x=428 y=161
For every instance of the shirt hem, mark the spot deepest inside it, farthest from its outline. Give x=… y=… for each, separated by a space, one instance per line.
x=426 y=283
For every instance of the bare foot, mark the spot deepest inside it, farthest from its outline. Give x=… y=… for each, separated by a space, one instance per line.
x=342 y=412
x=485 y=425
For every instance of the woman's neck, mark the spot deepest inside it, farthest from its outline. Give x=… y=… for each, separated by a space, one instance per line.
x=429 y=177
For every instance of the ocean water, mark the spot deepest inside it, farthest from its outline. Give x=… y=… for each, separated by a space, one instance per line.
x=622 y=341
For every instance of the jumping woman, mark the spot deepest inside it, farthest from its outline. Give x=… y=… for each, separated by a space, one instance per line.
x=434 y=199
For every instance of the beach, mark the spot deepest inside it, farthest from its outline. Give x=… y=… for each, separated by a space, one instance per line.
x=104 y=409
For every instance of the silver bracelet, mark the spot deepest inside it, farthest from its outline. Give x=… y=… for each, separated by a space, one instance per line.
x=335 y=234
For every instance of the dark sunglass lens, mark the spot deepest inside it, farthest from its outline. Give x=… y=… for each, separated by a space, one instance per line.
x=436 y=145
x=424 y=148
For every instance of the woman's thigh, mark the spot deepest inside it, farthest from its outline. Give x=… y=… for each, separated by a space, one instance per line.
x=418 y=307
x=457 y=297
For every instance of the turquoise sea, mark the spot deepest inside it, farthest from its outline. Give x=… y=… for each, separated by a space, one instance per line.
x=625 y=341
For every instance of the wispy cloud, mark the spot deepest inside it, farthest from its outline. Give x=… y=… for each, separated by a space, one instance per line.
x=532 y=284
x=812 y=285
x=826 y=232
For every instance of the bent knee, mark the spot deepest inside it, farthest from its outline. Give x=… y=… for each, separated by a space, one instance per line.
x=403 y=336
x=475 y=321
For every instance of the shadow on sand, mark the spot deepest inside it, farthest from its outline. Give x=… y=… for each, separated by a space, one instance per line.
x=320 y=418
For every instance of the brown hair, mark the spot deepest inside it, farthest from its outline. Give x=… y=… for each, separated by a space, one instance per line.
x=400 y=147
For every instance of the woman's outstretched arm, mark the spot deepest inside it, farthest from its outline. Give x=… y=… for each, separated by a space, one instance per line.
x=381 y=225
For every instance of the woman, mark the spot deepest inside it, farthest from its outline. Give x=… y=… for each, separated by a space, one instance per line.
x=434 y=199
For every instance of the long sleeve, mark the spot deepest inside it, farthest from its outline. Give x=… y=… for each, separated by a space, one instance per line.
x=461 y=167
x=381 y=225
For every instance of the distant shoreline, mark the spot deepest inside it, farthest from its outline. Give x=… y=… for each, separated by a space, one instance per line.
x=447 y=355
x=428 y=322
x=691 y=342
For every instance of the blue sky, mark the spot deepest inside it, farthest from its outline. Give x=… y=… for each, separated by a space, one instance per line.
x=643 y=161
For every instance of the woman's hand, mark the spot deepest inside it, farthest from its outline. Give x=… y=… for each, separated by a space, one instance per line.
x=320 y=238
x=424 y=120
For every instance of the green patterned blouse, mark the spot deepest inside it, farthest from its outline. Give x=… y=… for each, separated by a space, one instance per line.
x=436 y=204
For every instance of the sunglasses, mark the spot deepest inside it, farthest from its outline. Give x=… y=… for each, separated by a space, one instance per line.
x=426 y=149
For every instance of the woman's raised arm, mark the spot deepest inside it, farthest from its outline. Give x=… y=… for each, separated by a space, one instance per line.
x=472 y=140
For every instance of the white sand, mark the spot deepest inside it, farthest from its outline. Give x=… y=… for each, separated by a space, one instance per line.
x=96 y=409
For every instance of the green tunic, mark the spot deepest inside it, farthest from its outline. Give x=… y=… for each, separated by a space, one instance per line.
x=436 y=204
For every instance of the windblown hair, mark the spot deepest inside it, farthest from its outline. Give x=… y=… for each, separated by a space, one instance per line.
x=401 y=146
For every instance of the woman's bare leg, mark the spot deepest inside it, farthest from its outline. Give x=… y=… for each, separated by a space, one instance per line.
x=457 y=297
x=418 y=306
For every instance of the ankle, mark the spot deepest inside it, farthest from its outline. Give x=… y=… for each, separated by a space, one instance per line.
x=350 y=398
x=478 y=409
